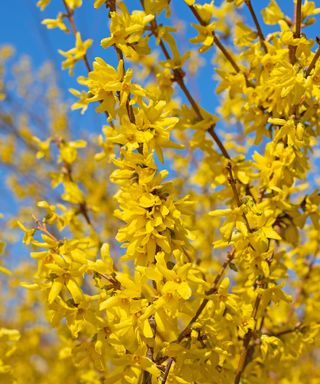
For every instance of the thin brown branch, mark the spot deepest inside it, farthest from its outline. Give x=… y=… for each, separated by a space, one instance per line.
x=42 y=227
x=128 y=106
x=147 y=377
x=83 y=210
x=251 y=335
x=219 y=143
x=164 y=49
x=218 y=278
x=227 y=55
x=112 y=6
x=298 y=19
x=297 y=30
x=221 y=47
x=179 y=78
x=167 y=370
x=232 y=182
x=257 y=24
x=231 y=179
x=247 y=348
x=187 y=330
x=112 y=279
x=69 y=16
x=314 y=59
x=217 y=41
x=298 y=327
x=83 y=206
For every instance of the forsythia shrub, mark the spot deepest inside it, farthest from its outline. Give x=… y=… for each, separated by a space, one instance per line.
x=177 y=245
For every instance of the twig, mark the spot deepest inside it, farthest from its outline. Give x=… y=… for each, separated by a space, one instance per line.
x=219 y=143
x=187 y=330
x=42 y=227
x=115 y=283
x=217 y=41
x=179 y=78
x=298 y=327
x=167 y=371
x=298 y=19
x=147 y=377
x=69 y=16
x=257 y=24
x=231 y=179
x=314 y=59
x=111 y=4
x=297 y=31
x=232 y=182
x=243 y=361
x=224 y=266
x=248 y=349
x=83 y=207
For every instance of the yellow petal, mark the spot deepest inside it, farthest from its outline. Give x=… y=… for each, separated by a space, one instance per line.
x=55 y=291
x=74 y=290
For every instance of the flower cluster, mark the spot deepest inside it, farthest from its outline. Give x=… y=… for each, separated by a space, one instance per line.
x=177 y=237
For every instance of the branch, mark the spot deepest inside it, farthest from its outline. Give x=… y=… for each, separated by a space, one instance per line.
x=221 y=47
x=256 y=22
x=298 y=18
x=187 y=330
x=298 y=327
x=111 y=4
x=314 y=59
x=231 y=179
x=297 y=31
x=179 y=78
x=167 y=371
x=69 y=16
x=42 y=227
x=115 y=283
x=249 y=349
x=244 y=357
x=83 y=206
x=217 y=41
x=147 y=377
x=232 y=182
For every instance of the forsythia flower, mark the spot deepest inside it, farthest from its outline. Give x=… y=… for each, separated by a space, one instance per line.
x=42 y=4
x=75 y=54
x=164 y=236
x=56 y=23
x=105 y=81
x=73 y=4
x=126 y=31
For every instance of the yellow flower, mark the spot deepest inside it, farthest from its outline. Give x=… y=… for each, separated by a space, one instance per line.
x=105 y=82
x=126 y=31
x=75 y=54
x=42 y=4
x=73 y=4
x=272 y=14
x=56 y=23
